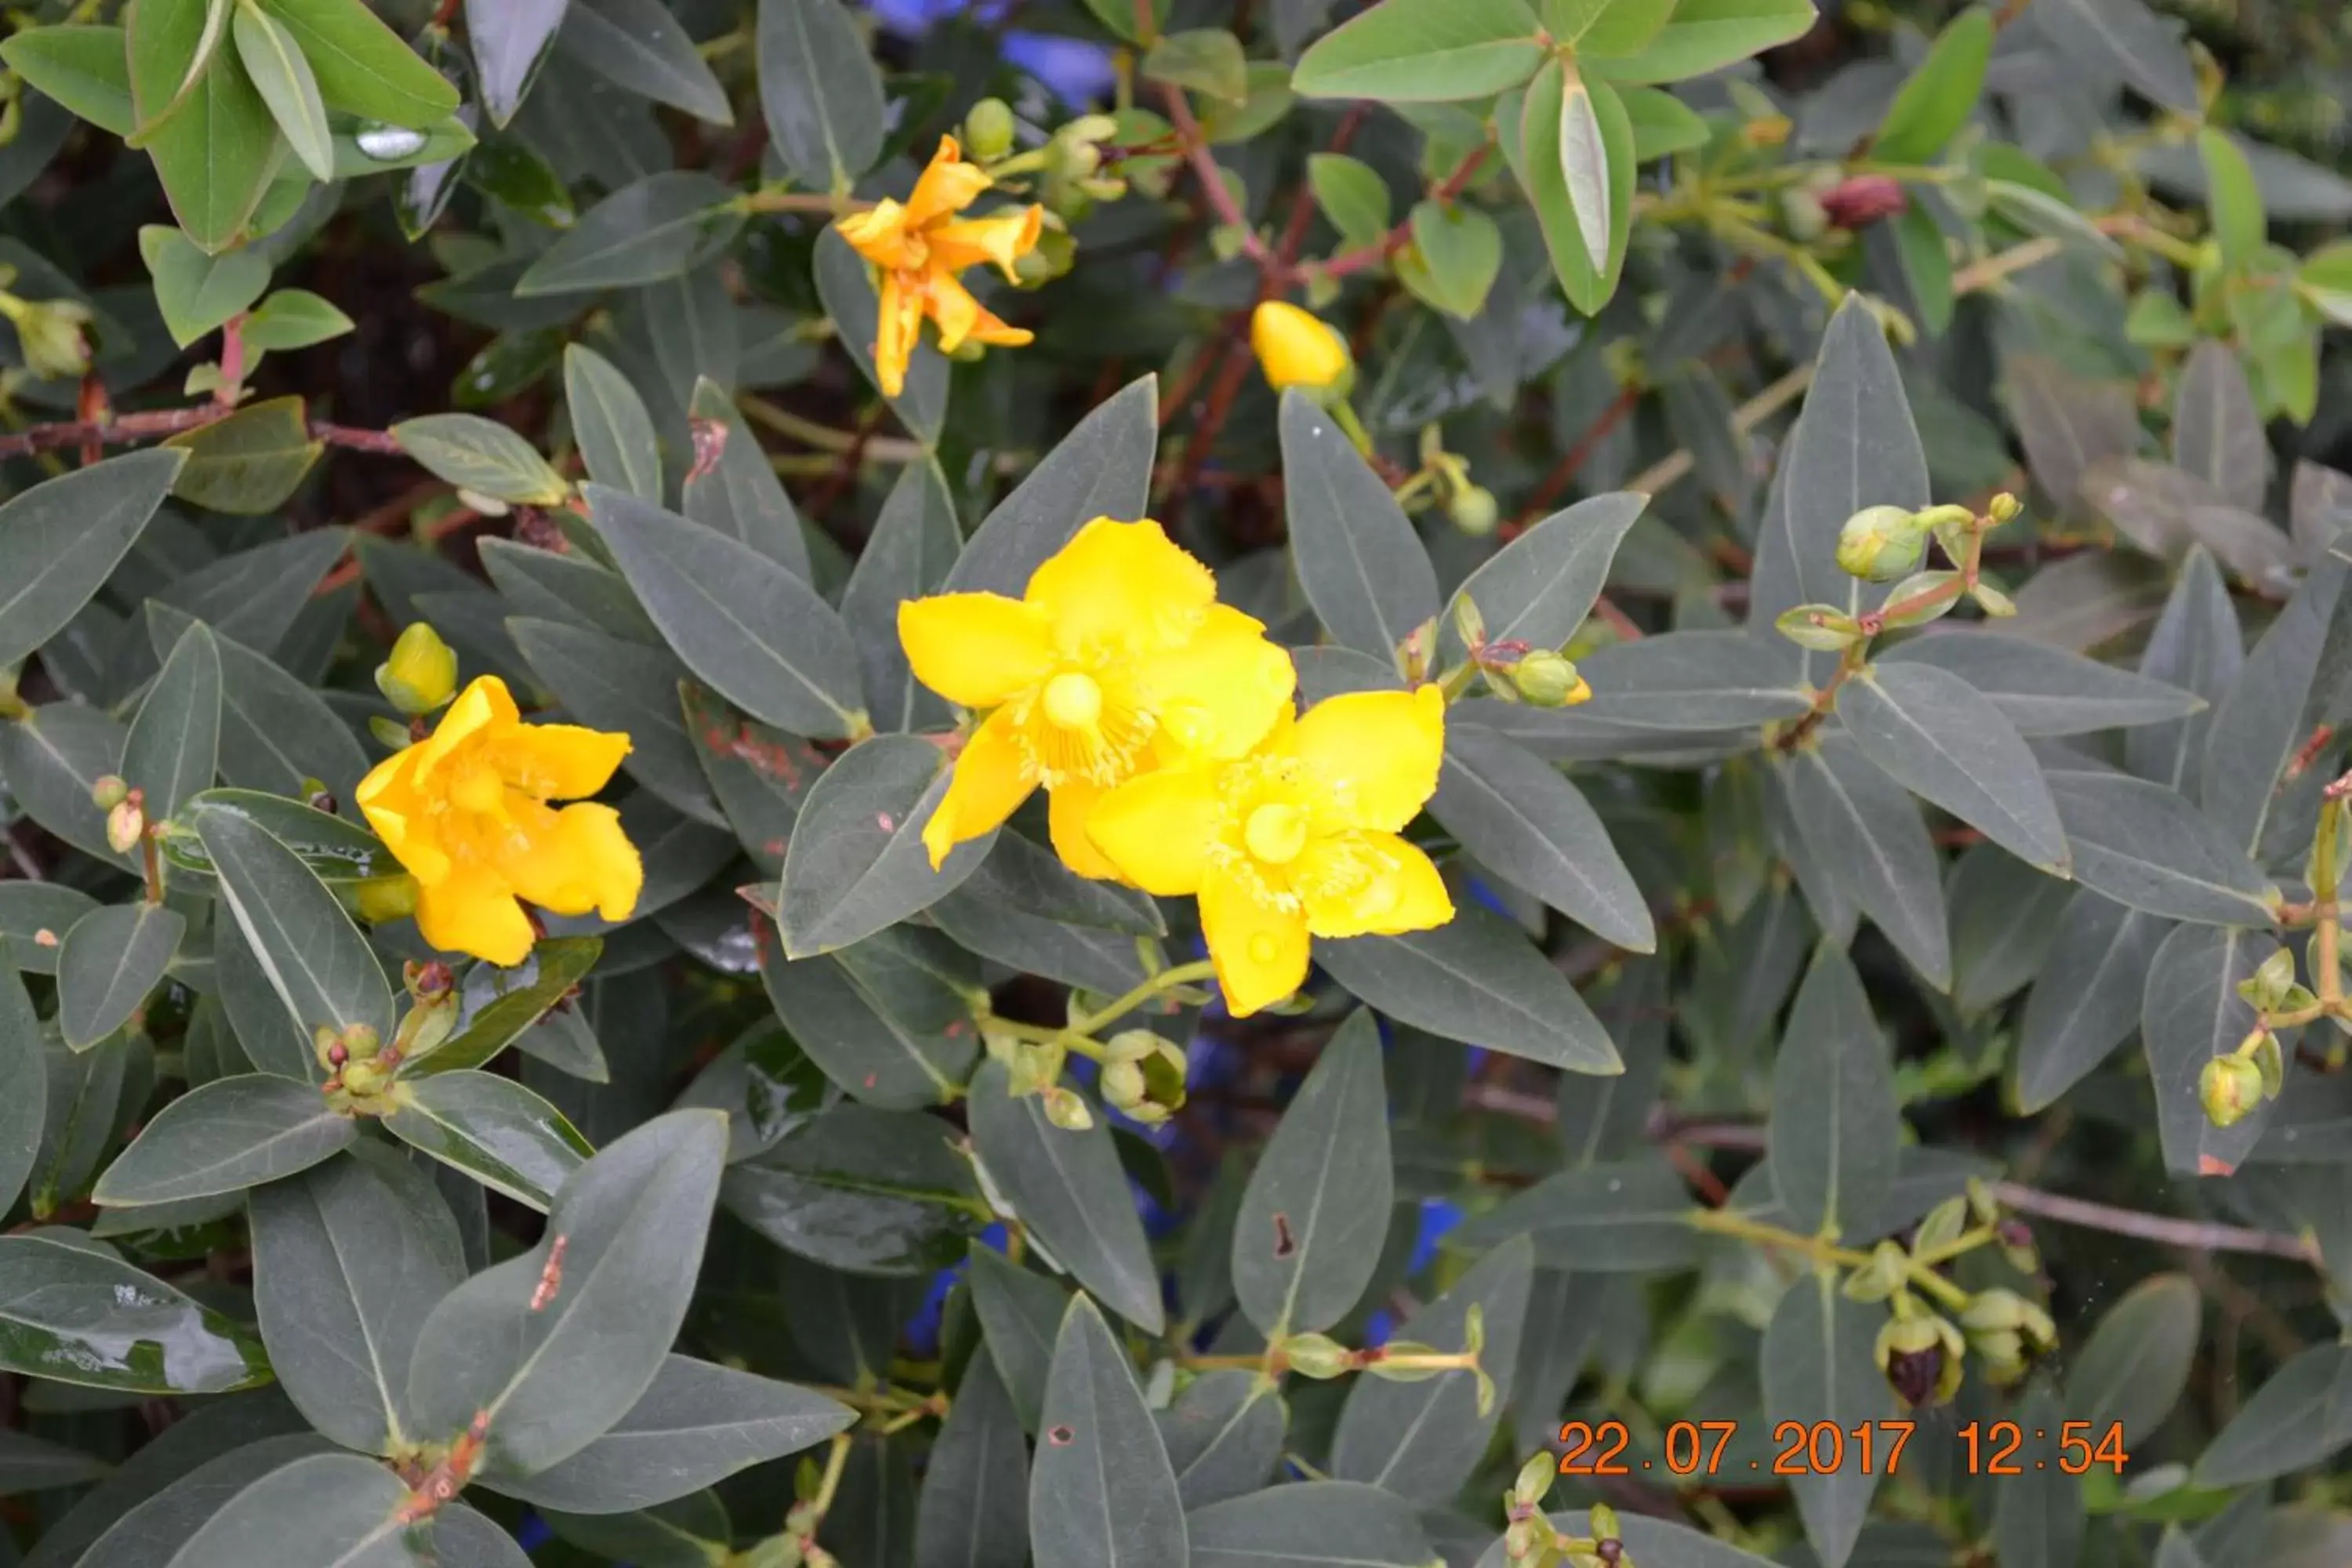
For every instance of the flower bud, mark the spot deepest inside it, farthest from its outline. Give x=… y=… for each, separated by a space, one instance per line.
x=325 y=1041
x=2002 y=507
x=988 y=130
x=1880 y=1276
x=1920 y=1353
x=1864 y=200
x=1535 y=1481
x=2266 y=989
x=49 y=336
x=422 y=673
x=362 y=1077
x=107 y=792
x=1297 y=349
x=1880 y=544
x=1122 y=1086
x=2229 y=1088
x=1315 y=1355
x=1547 y=680
x=125 y=825
x=1474 y=510
x=1822 y=626
x=1802 y=215
x=362 y=1039
x=1067 y=1110
x=383 y=899
x=1146 y=1079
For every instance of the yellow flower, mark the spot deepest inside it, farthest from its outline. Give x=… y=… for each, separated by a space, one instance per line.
x=1295 y=349
x=465 y=810
x=1298 y=839
x=1116 y=659
x=921 y=246
x=421 y=674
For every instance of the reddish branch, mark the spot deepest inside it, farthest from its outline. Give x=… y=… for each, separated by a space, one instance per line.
x=130 y=429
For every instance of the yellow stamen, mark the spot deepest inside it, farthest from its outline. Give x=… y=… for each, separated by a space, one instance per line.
x=1073 y=700
x=1275 y=834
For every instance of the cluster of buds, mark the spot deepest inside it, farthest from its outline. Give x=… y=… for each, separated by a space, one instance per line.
x=2232 y=1086
x=1034 y=1066
x=51 y=335
x=361 y=1067
x=1922 y=1352
x=1884 y=543
x=2008 y=1333
x=1532 y=1541
x=1541 y=678
x=1143 y=1076
x=1321 y=1357
x=126 y=813
x=1444 y=478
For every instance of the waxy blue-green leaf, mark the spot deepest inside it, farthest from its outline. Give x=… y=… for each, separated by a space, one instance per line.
x=2145 y=846
x=2003 y=914
x=23 y=1067
x=1020 y=1312
x=1312 y=1218
x=1939 y=737
x=1101 y=468
x=497 y=1006
x=63 y=537
x=820 y=92
x=2087 y=1000
x=317 y=962
x=29 y=909
x=275 y=731
x=555 y=1350
x=2196 y=646
x=1101 y=1491
x=732 y=489
x=2190 y=1013
x=857 y=863
x=347 y=1262
x=867 y=1192
x=607 y=683
x=973 y=1510
x=109 y=963
x=1360 y=562
x=2217 y=434
x=1864 y=831
x=1836 y=1129
x=86 y=1090
x=758 y=634
x=2045 y=690
x=1068 y=1188
x=1520 y=815
x=609 y=421
x=2259 y=729
x=1478 y=980
x=75 y=1315
x=153 y=1495
x=30 y=1464
x=888 y=1017
x=844 y=285
x=253 y=598
x=334 y=848
x=1538 y=588
x=224 y=1137
x=657 y=227
x=173 y=748
x=1421 y=1439
x=1704 y=35
x=2136 y=1365
x=336 y=1508
x=1224 y=1433
x=1618 y=1216
x=492 y=1128
x=510 y=40
x=1315 y=1524
x=1818 y=1365
x=912 y=550
x=2039 y=1522
x=51 y=757
x=1424 y=51
x=2124 y=38
x=695 y=1425
x=638 y=46
x=2295 y=1420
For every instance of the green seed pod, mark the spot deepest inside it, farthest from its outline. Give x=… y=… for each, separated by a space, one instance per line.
x=1547 y=680
x=1475 y=512
x=1880 y=544
x=2230 y=1088
x=988 y=130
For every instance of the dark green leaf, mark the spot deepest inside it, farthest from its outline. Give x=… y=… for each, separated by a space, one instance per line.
x=29 y=909
x=556 y=1349
x=2124 y=38
x=1020 y=1312
x=973 y=1511
x=317 y=962
x=78 y=1316
x=2192 y=1012
x=1357 y=557
x=1224 y=1435
x=30 y=1464
x=1421 y=1439
x=1101 y=1492
x=2298 y=1418
x=334 y=849
x=821 y=92
x=1101 y=468
x=1835 y=1128
x=910 y=552
x=1316 y=1524
x=231 y=1134
x=2145 y=846
x=1477 y=979
x=1819 y=1366
x=887 y=1018
x=732 y=489
x=335 y=1509
x=51 y=758
x=2136 y=1364
x=2045 y=690
x=1939 y=737
x=1628 y=1216
x=653 y=228
x=493 y=1128
x=2003 y=914
x=2216 y=434
x=2037 y=1523
x=347 y=1261
x=173 y=747
x=2197 y=648
x=109 y=963
x=511 y=39
x=85 y=1095
x=24 y=1068
x=1538 y=588
x=62 y=538
x=1309 y=1234
x=2088 y=999
x=1420 y=52
x=2261 y=726
x=275 y=731
x=497 y=1006
x=638 y=44
x=866 y=1191
x=1520 y=815
x=857 y=862
x=1068 y=1188
x=609 y=421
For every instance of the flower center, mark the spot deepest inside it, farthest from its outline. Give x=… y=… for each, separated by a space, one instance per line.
x=1275 y=834
x=479 y=789
x=1073 y=701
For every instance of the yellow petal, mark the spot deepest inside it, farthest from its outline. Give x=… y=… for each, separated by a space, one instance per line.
x=896 y=328
x=1122 y=585
x=991 y=779
x=474 y=911
x=947 y=187
x=1361 y=884
x=880 y=233
x=975 y=650
x=389 y=800
x=575 y=860
x=1375 y=753
x=484 y=708
x=963 y=318
x=1157 y=829
x=1069 y=805
x=1260 y=952
x=1219 y=694
x=560 y=762
x=999 y=240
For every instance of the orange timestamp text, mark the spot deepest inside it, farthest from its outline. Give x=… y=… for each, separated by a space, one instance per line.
x=1697 y=1449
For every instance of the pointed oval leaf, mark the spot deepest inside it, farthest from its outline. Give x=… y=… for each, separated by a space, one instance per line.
x=1939 y=737
x=1835 y=1128
x=1629 y=1217
x=2198 y=647
x=1863 y=830
x=1224 y=1435
x=887 y=1019
x=1360 y=562
x=173 y=747
x=492 y=1128
x=973 y=1509
x=273 y=58
x=511 y=39
x=1936 y=99
x=1424 y=51
x=2145 y=846
x=661 y=226
x=2045 y=690
x=1538 y=588
x=1704 y=35
x=78 y=1316
x=1315 y=1524
x=275 y=731
x=609 y=420
x=2298 y=1418
x=1520 y=815
x=911 y=552
x=335 y=1509
x=498 y=1006
x=1101 y=468
x=24 y=1068
x=1101 y=1492
x=63 y=537
x=2085 y=1001
x=1819 y=1366
x=2259 y=729
x=224 y=1137
x=317 y=962
x=870 y=1192
x=2190 y=1014
x=2215 y=433
x=109 y=963
x=640 y=46
x=363 y=67
x=556 y=1349
x=483 y=456
x=821 y=92
x=1068 y=1188
x=857 y=862
x=731 y=487
x=2124 y=38
x=2136 y=1365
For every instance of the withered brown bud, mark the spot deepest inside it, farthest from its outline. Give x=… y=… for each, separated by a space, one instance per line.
x=1863 y=200
x=1915 y=1374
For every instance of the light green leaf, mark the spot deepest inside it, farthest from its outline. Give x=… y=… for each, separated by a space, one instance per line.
x=62 y=538
x=1202 y=59
x=293 y=319
x=1424 y=51
x=1455 y=253
x=1224 y=1433
x=1661 y=124
x=275 y=731
x=363 y=66
x=274 y=60
x=230 y=1134
x=483 y=456
x=197 y=292
x=109 y=963
x=219 y=149
x=249 y=463
x=1538 y=588
x=2239 y=227
x=1936 y=99
x=83 y=67
x=1705 y=35
x=1101 y=1492
x=492 y=1128
x=1572 y=149
x=1353 y=196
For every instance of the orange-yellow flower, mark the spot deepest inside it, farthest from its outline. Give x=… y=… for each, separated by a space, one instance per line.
x=465 y=810
x=919 y=248
x=1297 y=840
x=1116 y=659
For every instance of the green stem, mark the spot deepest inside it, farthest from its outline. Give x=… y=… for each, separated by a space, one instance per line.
x=1165 y=981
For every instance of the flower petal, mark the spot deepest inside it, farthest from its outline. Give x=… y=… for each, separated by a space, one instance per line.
x=474 y=911
x=1122 y=585
x=947 y=186
x=1260 y=952
x=992 y=777
x=1157 y=829
x=1070 y=805
x=1376 y=752
x=573 y=860
x=880 y=233
x=1364 y=884
x=975 y=650
x=388 y=798
x=484 y=708
x=560 y=762
x=1000 y=240
x=896 y=329
x=1219 y=694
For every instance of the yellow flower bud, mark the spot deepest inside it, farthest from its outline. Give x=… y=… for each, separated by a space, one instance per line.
x=1474 y=511
x=125 y=825
x=1547 y=680
x=382 y=899
x=1297 y=349
x=1880 y=544
x=49 y=334
x=988 y=129
x=2230 y=1088
x=362 y=1077
x=422 y=673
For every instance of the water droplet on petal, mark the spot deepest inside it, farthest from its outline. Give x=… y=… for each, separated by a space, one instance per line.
x=389 y=144
x=1263 y=948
